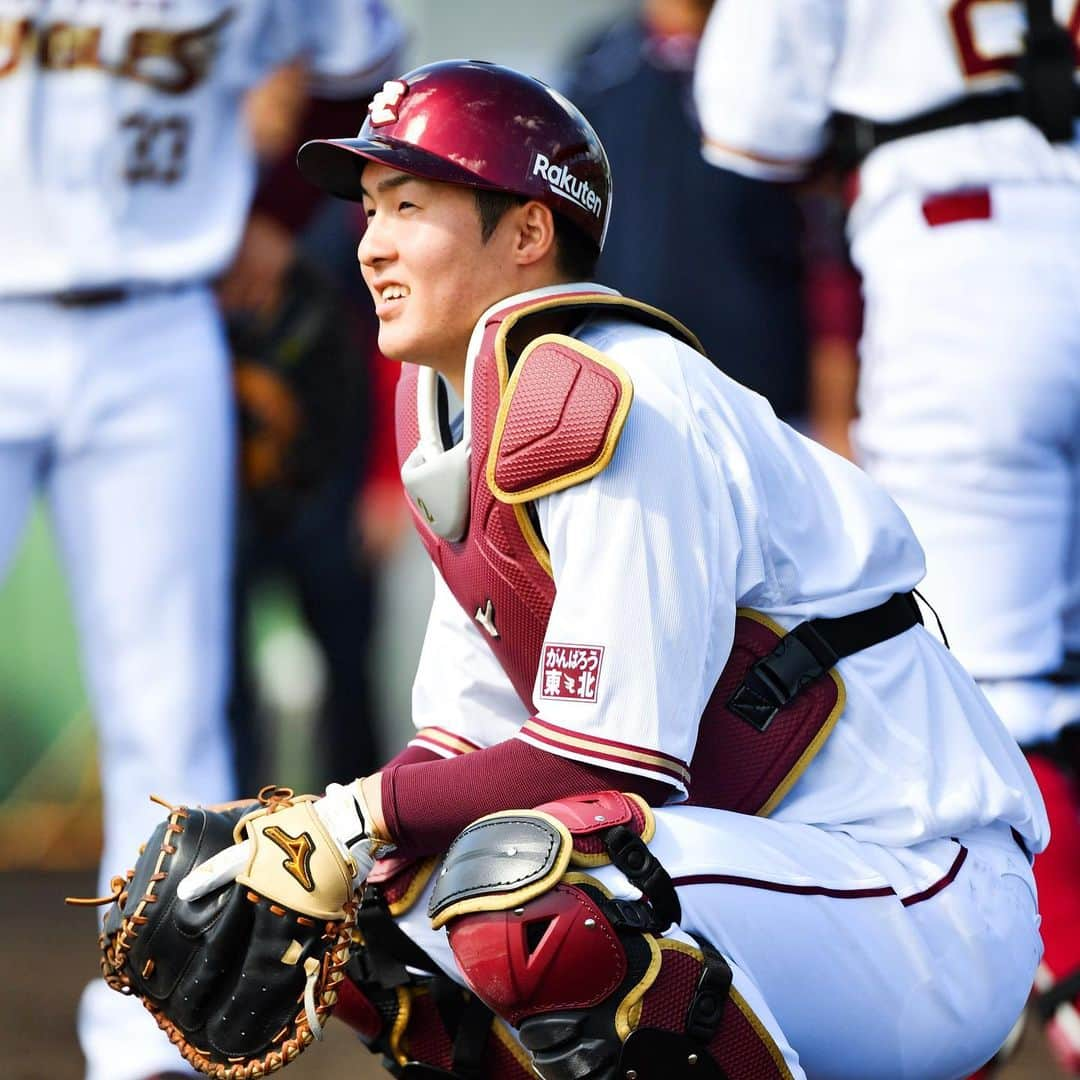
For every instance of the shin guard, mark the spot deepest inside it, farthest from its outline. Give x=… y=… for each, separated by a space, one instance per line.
x=425 y=1026
x=594 y=989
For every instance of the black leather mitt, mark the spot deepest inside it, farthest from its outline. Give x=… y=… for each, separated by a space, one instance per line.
x=243 y=978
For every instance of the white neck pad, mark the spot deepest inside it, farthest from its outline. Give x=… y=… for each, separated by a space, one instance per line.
x=437 y=480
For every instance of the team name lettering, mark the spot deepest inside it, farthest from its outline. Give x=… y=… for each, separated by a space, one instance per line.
x=171 y=61
x=563 y=182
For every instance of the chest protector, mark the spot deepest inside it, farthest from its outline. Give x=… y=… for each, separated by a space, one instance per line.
x=545 y=412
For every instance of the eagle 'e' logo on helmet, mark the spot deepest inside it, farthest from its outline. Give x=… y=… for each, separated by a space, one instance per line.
x=563 y=182
x=384 y=105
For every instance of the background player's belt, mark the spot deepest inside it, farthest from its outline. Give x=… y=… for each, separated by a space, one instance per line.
x=78 y=298
x=104 y=295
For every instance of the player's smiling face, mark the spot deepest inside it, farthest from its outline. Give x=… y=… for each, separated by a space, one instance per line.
x=428 y=268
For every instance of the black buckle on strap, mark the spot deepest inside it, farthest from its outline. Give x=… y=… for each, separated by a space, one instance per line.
x=636 y=915
x=807 y=652
x=710 y=996
x=777 y=678
x=644 y=871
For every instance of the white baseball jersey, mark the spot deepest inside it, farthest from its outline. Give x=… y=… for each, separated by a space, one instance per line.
x=125 y=159
x=770 y=73
x=710 y=503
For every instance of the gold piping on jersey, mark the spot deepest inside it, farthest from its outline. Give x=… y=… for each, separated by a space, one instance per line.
x=444 y=740
x=604 y=751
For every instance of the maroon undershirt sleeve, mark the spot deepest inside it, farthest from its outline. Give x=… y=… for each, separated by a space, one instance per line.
x=426 y=804
x=412 y=755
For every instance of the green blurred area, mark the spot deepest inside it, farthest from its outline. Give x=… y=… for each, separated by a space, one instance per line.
x=49 y=789
x=42 y=699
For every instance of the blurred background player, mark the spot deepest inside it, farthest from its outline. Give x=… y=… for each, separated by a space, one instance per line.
x=719 y=251
x=318 y=502
x=961 y=116
x=127 y=175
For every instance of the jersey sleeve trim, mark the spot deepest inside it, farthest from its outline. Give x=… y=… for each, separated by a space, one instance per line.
x=611 y=437
x=606 y=752
x=756 y=166
x=442 y=742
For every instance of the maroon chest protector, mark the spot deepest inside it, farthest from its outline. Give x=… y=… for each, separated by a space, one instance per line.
x=545 y=413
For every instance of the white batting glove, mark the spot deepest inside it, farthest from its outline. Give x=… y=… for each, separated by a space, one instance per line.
x=344 y=816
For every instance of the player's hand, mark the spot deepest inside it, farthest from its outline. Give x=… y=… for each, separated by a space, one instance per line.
x=382 y=521
x=336 y=820
x=255 y=280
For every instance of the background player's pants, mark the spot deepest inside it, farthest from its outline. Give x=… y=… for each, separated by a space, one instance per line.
x=970 y=417
x=120 y=414
x=862 y=961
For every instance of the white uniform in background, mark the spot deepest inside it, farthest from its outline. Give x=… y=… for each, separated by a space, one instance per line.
x=126 y=175
x=968 y=240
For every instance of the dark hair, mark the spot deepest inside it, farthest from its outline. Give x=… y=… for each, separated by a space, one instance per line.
x=575 y=253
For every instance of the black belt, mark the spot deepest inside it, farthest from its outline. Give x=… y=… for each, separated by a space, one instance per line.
x=82 y=298
x=809 y=650
x=855 y=136
x=1069 y=672
x=101 y=295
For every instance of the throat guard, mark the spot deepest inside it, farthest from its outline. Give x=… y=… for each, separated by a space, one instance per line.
x=436 y=476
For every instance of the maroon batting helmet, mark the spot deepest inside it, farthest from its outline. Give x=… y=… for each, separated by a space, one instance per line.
x=481 y=125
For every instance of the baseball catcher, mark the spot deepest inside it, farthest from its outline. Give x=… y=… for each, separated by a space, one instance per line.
x=693 y=793
x=242 y=978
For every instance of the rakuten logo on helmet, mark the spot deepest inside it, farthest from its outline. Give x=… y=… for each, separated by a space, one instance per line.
x=564 y=183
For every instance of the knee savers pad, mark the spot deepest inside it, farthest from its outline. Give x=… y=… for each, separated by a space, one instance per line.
x=425 y=1026
x=593 y=988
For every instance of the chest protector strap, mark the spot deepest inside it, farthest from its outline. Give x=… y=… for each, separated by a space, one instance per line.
x=810 y=649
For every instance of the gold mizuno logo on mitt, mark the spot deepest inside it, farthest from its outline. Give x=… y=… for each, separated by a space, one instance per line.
x=298 y=849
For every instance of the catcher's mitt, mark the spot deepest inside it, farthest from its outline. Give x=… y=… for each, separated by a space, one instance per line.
x=242 y=979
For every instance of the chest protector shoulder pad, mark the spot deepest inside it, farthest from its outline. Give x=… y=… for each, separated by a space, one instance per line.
x=559 y=420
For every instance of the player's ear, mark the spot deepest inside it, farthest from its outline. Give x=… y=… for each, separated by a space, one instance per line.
x=534 y=233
